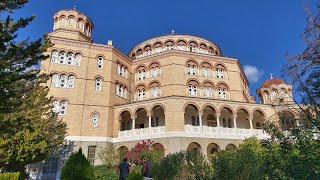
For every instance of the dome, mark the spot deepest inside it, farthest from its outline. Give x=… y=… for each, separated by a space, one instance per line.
x=177 y=42
x=272 y=81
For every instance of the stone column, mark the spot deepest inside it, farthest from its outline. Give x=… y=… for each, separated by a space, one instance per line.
x=133 y=125
x=149 y=123
x=234 y=121
x=250 y=120
x=200 y=120
x=218 y=120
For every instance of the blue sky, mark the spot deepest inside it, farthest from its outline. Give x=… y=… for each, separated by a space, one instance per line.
x=257 y=32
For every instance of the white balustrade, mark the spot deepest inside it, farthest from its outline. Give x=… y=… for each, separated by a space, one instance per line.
x=143 y=132
x=168 y=48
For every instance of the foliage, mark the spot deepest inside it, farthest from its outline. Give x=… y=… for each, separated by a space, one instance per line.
x=235 y=164
x=134 y=176
x=141 y=150
x=182 y=165
x=10 y=176
x=77 y=167
x=304 y=69
x=103 y=172
x=29 y=131
x=109 y=156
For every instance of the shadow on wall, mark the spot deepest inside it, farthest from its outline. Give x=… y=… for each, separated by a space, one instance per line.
x=50 y=169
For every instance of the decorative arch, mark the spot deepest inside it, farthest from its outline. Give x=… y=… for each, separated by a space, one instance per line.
x=192 y=60
x=124 y=110
x=230 y=109
x=101 y=55
x=217 y=65
x=156 y=44
x=259 y=109
x=170 y=40
x=243 y=108
x=231 y=147
x=154 y=81
x=211 y=149
x=222 y=83
x=158 y=104
x=193 y=42
x=206 y=62
x=147 y=47
x=141 y=66
x=207 y=82
x=152 y=63
x=192 y=79
x=98 y=76
x=138 y=108
x=139 y=85
x=209 y=105
x=183 y=41
x=191 y=103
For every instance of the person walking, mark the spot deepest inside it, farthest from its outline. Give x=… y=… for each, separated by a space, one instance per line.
x=147 y=168
x=124 y=169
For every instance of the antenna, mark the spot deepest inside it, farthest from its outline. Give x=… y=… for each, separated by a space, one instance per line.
x=172 y=31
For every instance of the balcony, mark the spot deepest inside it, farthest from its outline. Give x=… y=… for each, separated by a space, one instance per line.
x=143 y=133
x=225 y=133
x=167 y=48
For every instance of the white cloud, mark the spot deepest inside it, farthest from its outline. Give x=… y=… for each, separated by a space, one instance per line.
x=253 y=73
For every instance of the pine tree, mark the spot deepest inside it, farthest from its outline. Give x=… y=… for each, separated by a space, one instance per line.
x=29 y=131
x=77 y=167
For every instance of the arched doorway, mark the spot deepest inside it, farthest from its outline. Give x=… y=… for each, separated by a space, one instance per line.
x=158 y=116
x=125 y=121
x=231 y=147
x=258 y=119
x=211 y=149
x=243 y=119
x=194 y=148
x=209 y=117
x=226 y=118
x=142 y=120
x=160 y=148
x=122 y=151
x=191 y=115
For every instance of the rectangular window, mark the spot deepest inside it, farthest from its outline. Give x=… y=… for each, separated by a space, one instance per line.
x=91 y=154
x=50 y=166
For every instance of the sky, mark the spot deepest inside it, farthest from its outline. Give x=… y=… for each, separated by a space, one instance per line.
x=259 y=33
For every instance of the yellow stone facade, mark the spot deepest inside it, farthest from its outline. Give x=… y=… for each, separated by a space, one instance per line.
x=178 y=90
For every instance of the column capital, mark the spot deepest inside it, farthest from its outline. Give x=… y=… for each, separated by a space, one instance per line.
x=200 y=114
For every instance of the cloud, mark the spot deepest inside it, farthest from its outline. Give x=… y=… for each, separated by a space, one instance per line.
x=253 y=73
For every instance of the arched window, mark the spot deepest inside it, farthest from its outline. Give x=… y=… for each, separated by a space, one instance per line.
x=121 y=90
x=154 y=71
x=62 y=57
x=207 y=91
x=155 y=91
x=220 y=73
x=98 y=84
x=71 y=81
x=63 y=80
x=63 y=21
x=77 y=59
x=141 y=94
x=70 y=58
x=71 y=21
x=117 y=90
x=63 y=107
x=55 y=80
x=157 y=121
x=55 y=106
x=100 y=62
x=141 y=74
x=118 y=68
x=192 y=89
x=222 y=93
x=274 y=94
x=54 y=57
x=95 y=118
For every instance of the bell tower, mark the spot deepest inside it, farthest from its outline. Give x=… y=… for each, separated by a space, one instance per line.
x=72 y=24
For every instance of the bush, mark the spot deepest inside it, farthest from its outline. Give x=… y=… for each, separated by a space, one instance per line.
x=134 y=176
x=10 y=176
x=103 y=172
x=182 y=165
x=77 y=167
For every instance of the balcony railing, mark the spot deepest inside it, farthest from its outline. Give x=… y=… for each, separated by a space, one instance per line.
x=222 y=132
x=143 y=132
x=167 y=48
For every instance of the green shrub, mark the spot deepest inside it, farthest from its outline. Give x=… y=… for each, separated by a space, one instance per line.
x=103 y=172
x=77 y=167
x=10 y=176
x=134 y=176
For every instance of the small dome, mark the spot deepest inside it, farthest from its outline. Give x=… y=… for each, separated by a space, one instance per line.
x=269 y=82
